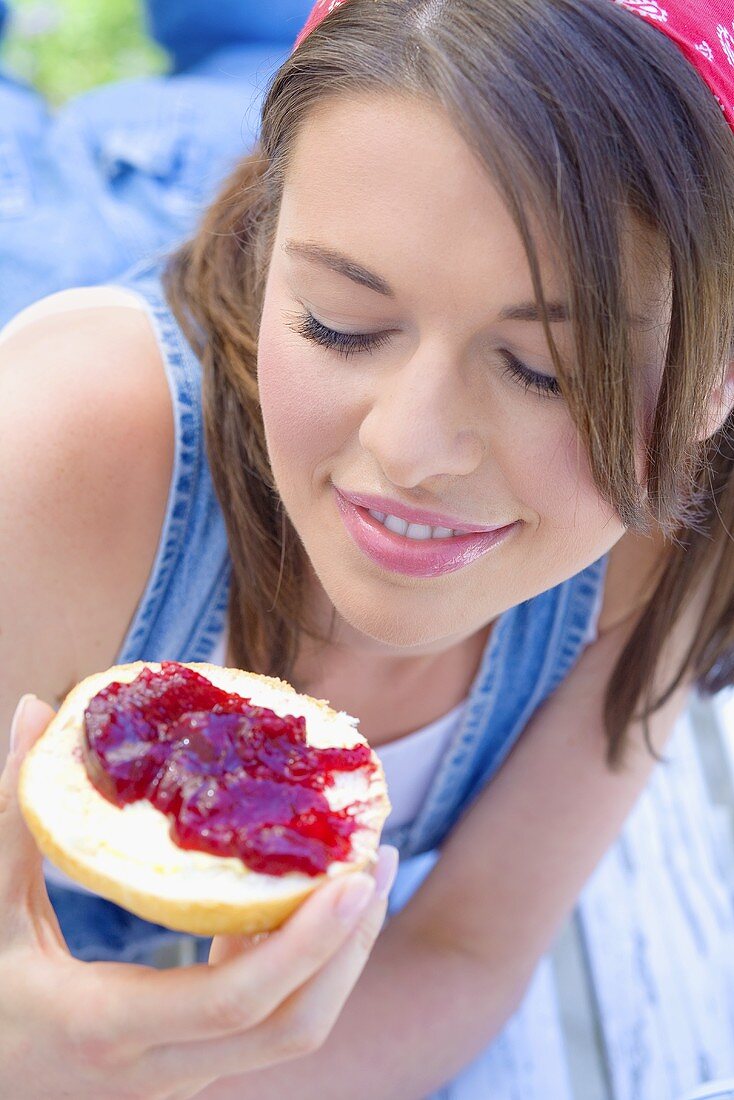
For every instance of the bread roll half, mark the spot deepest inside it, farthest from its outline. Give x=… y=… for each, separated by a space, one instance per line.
x=125 y=853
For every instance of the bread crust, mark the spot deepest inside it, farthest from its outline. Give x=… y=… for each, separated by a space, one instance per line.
x=208 y=912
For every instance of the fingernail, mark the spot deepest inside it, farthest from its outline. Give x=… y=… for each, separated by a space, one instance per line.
x=15 y=726
x=355 y=896
x=386 y=870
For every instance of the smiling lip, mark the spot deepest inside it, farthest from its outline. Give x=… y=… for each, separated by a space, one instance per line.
x=413 y=557
x=415 y=515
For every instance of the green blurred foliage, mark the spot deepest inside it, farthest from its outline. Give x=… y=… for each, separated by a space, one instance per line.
x=63 y=47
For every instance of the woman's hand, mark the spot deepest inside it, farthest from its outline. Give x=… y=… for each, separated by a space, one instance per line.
x=119 y=1031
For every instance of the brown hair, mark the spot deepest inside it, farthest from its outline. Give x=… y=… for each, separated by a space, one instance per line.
x=582 y=114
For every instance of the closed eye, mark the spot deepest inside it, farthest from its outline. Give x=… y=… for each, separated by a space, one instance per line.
x=542 y=383
x=345 y=343
x=350 y=343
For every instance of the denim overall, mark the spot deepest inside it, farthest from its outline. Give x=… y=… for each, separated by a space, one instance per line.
x=181 y=616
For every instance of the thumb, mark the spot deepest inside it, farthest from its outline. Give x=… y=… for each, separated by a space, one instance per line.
x=31 y=717
x=19 y=854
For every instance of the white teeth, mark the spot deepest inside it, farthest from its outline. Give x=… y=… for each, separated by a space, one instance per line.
x=418 y=531
x=399 y=526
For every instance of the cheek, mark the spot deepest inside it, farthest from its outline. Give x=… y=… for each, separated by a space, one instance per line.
x=557 y=484
x=306 y=417
x=291 y=414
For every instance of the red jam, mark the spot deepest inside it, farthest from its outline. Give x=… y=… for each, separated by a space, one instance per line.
x=235 y=779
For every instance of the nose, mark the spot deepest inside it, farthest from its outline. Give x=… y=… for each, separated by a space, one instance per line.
x=422 y=421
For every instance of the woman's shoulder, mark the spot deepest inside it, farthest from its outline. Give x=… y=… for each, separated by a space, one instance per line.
x=72 y=300
x=86 y=459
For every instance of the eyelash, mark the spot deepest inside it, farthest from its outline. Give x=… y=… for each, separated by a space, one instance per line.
x=349 y=343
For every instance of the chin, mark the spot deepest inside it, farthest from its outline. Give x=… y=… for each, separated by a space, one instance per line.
x=402 y=620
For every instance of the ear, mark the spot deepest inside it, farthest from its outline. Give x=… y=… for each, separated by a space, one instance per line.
x=721 y=404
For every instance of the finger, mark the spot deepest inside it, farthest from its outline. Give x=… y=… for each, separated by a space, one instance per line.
x=299 y=1026
x=152 y=1007
x=224 y=947
x=21 y=863
x=303 y=1022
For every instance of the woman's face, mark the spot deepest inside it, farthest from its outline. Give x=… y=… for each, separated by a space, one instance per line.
x=430 y=416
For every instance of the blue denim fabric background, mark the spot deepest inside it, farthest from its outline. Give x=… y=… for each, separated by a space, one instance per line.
x=127 y=169
x=97 y=930
x=193 y=29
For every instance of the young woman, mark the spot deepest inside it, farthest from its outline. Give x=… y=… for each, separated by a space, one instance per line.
x=434 y=419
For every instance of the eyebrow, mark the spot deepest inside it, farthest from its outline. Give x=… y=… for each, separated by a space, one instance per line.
x=329 y=257
x=343 y=265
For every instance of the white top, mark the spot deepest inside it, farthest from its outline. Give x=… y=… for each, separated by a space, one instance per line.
x=411 y=761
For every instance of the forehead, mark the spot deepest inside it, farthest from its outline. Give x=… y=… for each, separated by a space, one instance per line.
x=391 y=181
x=398 y=137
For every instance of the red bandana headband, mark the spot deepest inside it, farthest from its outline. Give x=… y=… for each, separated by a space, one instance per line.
x=698 y=28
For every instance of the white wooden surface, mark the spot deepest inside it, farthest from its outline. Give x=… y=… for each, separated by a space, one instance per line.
x=657 y=921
